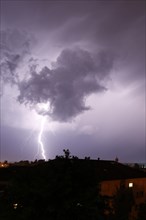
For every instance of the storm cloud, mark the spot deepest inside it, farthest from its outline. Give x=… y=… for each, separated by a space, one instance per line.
x=87 y=60
x=14 y=47
x=74 y=76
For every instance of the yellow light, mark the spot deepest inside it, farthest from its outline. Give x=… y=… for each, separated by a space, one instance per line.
x=15 y=206
x=130 y=185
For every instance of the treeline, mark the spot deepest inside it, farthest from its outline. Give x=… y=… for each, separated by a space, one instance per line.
x=65 y=188
x=58 y=189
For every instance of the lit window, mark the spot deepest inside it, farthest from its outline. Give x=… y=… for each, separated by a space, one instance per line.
x=130 y=185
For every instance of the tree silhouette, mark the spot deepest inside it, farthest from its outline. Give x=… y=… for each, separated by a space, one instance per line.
x=122 y=203
x=66 y=153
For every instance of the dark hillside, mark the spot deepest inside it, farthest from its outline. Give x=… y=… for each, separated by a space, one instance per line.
x=58 y=189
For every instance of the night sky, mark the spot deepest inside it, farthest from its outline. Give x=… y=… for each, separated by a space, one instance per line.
x=81 y=66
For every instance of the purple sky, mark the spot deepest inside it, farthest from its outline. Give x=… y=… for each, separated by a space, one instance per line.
x=86 y=60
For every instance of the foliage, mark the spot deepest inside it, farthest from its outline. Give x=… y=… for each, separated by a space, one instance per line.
x=64 y=188
x=142 y=211
x=122 y=203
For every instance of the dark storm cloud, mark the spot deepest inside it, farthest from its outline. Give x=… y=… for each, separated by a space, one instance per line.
x=117 y=26
x=113 y=27
x=75 y=75
x=14 y=46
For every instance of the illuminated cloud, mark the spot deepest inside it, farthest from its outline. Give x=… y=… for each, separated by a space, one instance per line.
x=14 y=47
x=106 y=75
x=75 y=75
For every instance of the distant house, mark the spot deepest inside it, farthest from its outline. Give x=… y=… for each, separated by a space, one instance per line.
x=121 y=177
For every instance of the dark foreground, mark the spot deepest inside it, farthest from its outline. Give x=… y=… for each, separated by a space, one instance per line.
x=63 y=188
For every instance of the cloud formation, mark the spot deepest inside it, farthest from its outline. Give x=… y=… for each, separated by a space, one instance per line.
x=115 y=126
x=75 y=75
x=14 y=47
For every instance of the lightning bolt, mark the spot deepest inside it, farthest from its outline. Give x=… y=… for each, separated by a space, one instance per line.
x=40 y=138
